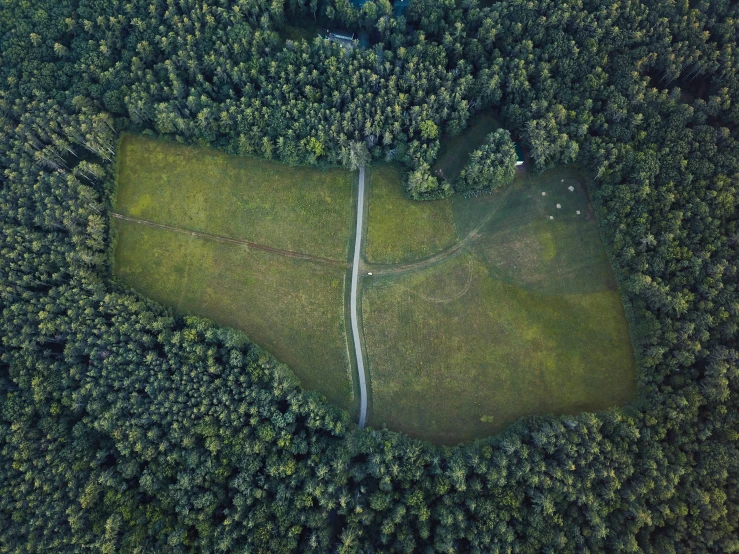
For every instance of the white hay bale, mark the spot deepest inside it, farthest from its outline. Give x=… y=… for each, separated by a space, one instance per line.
x=571 y=188
x=543 y=193
x=578 y=212
x=551 y=217
x=559 y=206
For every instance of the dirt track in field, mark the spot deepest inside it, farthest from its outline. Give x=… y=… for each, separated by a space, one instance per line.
x=219 y=238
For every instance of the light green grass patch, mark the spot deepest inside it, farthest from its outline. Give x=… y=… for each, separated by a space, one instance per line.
x=400 y=229
x=293 y=208
x=457 y=355
x=293 y=308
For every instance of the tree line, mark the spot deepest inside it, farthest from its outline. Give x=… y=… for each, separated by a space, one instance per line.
x=126 y=428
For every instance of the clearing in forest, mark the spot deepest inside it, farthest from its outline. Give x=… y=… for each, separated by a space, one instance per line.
x=477 y=311
x=523 y=319
x=306 y=30
x=292 y=307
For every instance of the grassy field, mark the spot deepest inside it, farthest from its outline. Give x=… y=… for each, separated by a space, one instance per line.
x=456 y=355
x=294 y=208
x=291 y=307
x=400 y=229
x=455 y=151
x=526 y=320
x=479 y=311
x=528 y=241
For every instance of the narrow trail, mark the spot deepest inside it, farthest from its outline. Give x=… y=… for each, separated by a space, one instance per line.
x=219 y=238
x=395 y=269
x=353 y=303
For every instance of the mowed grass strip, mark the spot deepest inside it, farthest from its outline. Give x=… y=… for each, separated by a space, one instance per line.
x=293 y=208
x=456 y=355
x=292 y=308
x=400 y=229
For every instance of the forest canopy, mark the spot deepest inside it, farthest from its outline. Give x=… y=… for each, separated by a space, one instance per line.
x=126 y=428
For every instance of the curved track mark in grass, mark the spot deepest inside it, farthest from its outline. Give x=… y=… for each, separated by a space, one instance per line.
x=447 y=253
x=450 y=298
x=219 y=238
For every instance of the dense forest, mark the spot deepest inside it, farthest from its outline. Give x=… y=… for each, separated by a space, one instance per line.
x=126 y=429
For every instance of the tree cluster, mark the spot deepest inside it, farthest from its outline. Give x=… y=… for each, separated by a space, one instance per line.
x=491 y=166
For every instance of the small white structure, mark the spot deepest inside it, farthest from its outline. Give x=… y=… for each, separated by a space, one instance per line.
x=543 y=193
x=370 y=273
x=578 y=212
x=571 y=188
x=551 y=217
x=559 y=206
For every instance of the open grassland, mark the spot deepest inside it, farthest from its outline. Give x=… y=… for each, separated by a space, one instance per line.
x=455 y=151
x=293 y=208
x=480 y=310
x=292 y=307
x=525 y=320
x=456 y=355
x=528 y=241
x=400 y=229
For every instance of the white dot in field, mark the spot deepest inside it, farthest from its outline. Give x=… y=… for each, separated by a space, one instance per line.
x=370 y=273
x=543 y=193
x=551 y=217
x=571 y=188
x=578 y=212
x=562 y=181
x=559 y=206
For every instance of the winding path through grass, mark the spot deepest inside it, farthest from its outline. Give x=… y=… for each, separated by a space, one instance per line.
x=353 y=301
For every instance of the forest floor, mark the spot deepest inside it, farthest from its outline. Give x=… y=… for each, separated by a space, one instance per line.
x=250 y=244
x=306 y=31
x=477 y=311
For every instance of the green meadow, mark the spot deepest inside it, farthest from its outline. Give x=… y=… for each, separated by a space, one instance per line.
x=293 y=208
x=401 y=229
x=478 y=311
x=525 y=319
x=292 y=307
